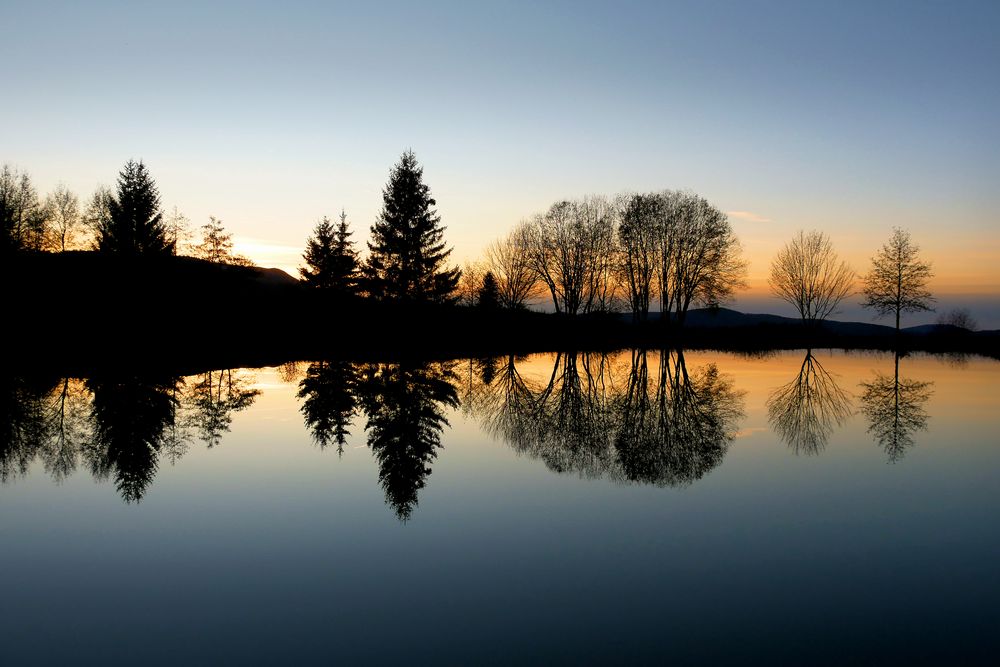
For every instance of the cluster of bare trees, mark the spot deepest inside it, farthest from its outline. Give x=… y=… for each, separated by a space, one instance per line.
x=596 y=254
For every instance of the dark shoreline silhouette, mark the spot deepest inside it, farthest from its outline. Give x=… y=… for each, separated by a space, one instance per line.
x=81 y=311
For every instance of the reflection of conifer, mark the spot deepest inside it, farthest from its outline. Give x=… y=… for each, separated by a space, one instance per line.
x=404 y=405
x=331 y=260
x=328 y=389
x=407 y=251
x=894 y=407
x=130 y=417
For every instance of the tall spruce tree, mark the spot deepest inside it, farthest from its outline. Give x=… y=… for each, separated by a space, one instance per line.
x=407 y=254
x=135 y=223
x=331 y=260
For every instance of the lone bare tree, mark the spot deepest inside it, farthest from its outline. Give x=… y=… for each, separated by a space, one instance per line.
x=808 y=274
x=897 y=281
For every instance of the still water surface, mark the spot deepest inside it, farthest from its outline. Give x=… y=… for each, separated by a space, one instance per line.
x=700 y=507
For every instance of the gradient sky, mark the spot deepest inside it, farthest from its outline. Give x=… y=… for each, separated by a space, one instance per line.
x=846 y=117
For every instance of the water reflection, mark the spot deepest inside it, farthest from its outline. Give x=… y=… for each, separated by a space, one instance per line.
x=895 y=410
x=404 y=405
x=131 y=416
x=213 y=399
x=328 y=392
x=597 y=418
x=805 y=411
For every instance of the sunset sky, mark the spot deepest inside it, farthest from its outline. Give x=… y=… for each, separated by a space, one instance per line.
x=845 y=117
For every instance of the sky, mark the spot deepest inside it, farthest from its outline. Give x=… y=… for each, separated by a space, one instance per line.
x=847 y=117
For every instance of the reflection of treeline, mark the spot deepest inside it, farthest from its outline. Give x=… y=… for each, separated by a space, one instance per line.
x=117 y=426
x=649 y=420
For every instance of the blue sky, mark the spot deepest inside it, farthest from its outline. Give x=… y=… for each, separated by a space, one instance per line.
x=847 y=117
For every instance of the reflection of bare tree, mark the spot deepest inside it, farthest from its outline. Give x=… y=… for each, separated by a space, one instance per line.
x=667 y=430
x=894 y=407
x=213 y=399
x=67 y=416
x=130 y=417
x=404 y=405
x=684 y=430
x=805 y=411
x=22 y=419
x=42 y=419
x=329 y=403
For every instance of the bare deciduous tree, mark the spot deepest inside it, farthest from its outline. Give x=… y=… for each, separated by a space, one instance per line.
x=638 y=243
x=22 y=218
x=897 y=280
x=808 y=274
x=570 y=249
x=98 y=212
x=63 y=211
x=700 y=256
x=508 y=260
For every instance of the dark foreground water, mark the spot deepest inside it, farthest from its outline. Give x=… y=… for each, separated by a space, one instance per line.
x=687 y=508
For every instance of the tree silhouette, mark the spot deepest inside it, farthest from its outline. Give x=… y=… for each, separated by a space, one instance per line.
x=22 y=219
x=897 y=280
x=63 y=211
x=404 y=405
x=407 y=249
x=894 y=407
x=329 y=403
x=489 y=294
x=135 y=225
x=808 y=274
x=331 y=260
x=805 y=411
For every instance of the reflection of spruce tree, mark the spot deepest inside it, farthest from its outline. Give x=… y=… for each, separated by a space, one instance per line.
x=213 y=400
x=130 y=417
x=894 y=407
x=404 y=405
x=329 y=403
x=805 y=411
x=685 y=431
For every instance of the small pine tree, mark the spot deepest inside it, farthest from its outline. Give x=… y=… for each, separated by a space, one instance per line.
x=489 y=293
x=407 y=251
x=331 y=260
x=135 y=223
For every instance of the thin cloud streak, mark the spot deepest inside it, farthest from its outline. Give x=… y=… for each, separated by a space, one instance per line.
x=747 y=215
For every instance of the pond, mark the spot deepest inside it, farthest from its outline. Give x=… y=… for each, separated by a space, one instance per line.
x=798 y=507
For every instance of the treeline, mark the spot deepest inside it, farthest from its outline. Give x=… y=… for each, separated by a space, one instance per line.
x=128 y=220
x=637 y=252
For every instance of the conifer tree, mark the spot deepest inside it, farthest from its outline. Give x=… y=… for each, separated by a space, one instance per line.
x=489 y=293
x=135 y=223
x=331 y=260
x=407 y=249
